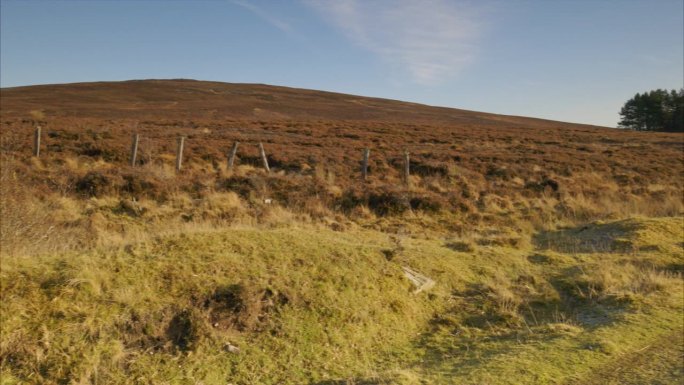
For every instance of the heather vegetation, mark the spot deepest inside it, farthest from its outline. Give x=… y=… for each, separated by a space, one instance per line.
x=555 y=249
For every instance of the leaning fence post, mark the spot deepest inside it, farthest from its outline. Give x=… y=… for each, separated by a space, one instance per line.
x=263 y=157
x=364 y=167
x=406 y=168
x=231 y=157
x=36 y=142
x=134 y=148
x=179 y=153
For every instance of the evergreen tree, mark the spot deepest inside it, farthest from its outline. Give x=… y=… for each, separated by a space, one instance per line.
x=657 y=110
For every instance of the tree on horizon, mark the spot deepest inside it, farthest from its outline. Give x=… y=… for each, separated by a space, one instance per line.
x=656 y=110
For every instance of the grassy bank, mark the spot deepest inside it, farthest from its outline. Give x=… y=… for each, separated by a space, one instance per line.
x=303 y=304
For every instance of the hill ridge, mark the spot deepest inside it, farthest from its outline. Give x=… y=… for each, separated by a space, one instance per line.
x=137 y=98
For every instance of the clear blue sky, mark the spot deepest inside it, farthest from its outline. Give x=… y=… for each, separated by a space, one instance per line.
x=574 y=60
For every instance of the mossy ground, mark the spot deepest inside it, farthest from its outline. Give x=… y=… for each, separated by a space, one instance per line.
x=308 y=305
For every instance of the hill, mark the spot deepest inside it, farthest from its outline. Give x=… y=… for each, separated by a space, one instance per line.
x=192 y=100
x=545 y=252
x=303 y=130
x=484 y=168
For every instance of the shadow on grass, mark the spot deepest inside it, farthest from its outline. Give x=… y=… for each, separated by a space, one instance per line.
x=604 y=238
x=464 y=342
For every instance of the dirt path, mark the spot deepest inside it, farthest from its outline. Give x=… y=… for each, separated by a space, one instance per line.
x=659 y=363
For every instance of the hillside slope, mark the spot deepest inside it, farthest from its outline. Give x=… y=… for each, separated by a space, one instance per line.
x=555 y=248
x=191 y=99
x=473 y=168
x=303 y=129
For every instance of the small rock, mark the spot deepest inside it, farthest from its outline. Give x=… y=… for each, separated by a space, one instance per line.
x=232 y=348
x=420 y=281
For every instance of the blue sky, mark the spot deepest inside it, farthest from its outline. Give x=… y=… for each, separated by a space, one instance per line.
x=566 y=60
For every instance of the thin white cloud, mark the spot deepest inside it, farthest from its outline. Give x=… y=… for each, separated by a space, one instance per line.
x=267 y=17
x=432 y=40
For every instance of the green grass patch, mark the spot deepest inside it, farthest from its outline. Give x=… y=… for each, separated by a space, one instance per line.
x=305 y=305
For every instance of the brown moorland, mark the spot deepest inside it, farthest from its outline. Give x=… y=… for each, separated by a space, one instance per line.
x=483 y=168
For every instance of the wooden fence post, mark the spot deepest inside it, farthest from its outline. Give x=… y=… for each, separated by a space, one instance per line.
x=179 y=153
x=263 y=157
x=134 y=148
x=231 y=157
x=406 y=168
x=364 y=167
x=36 y=142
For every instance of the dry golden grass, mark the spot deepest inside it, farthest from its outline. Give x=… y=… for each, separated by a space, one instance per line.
x=623 y=281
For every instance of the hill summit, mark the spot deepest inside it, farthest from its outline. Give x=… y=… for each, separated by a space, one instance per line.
x=192 y=99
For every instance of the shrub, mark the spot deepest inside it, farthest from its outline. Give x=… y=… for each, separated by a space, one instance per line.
x=388 y=203
x=93 y=184
x=426 y=203
x=137 y=184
